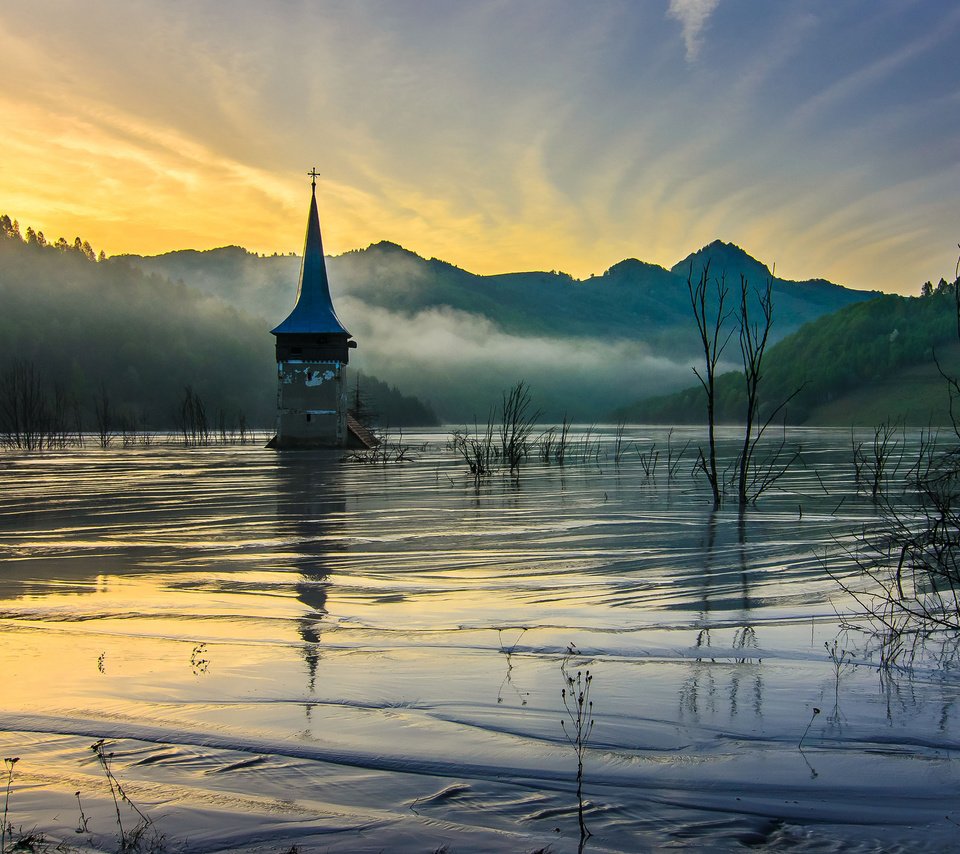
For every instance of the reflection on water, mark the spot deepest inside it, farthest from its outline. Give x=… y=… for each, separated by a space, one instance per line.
x=310 y=512
x=192 y=606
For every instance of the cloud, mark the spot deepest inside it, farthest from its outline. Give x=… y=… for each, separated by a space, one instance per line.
x=693 y=15
x=493 y=135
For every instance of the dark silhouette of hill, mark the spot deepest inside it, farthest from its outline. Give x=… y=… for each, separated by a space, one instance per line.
x=87 y=324
x=793 y=300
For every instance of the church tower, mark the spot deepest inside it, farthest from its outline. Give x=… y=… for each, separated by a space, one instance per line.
x=313 y=349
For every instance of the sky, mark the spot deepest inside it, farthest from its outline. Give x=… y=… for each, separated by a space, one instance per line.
x=822 y=136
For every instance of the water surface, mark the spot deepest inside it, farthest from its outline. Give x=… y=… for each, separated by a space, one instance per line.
x=290 y=649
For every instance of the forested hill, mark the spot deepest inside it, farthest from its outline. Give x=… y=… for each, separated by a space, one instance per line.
x=108 y=325
x=145 y=327
x=631 y=300
x=793 y=300
x=458 y=339
x=864 y=363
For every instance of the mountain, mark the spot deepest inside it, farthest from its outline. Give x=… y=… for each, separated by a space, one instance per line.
x=792 y=300
x=632 y=300
x=457 y=339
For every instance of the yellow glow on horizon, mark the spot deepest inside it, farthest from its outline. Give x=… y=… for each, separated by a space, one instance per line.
x=131 y=187
x=550 y=143
x=128 y=185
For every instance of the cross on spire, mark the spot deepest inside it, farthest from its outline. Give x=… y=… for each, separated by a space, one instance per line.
x=313 y=175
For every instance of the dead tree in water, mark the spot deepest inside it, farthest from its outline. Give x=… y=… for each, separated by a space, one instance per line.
x=24 y=412
x=193 y=419
x=63 y=407
x=908 y=564
x=477 y=449
x=104 y=417
x=753 y=477
x=753 y=343
x=516 y=425
x=713 y=342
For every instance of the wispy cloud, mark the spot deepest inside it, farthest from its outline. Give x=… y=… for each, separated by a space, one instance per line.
x=692 y=15
x=493 y=135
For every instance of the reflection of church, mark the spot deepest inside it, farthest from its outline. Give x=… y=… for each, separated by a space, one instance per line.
x=310 y=500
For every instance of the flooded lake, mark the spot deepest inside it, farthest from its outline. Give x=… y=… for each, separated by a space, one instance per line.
x=293 y=652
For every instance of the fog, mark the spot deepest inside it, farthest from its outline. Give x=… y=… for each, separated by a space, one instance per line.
x=461 y=362
x=398 y=308
x=455 y=340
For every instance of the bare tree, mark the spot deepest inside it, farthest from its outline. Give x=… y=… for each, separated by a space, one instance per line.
x=753 y=477
x=24 y=411
x=710 y=322
x=104 y=417
x=193 y=419
x=908 y=564
x=62 y=407
x=753 y=343
x=477 y=449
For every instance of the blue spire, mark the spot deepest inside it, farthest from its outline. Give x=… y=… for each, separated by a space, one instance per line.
x=313 y=311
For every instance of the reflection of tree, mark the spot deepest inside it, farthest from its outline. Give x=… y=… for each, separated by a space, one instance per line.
x=698 y=692
x=699 y=687
x=508 y=650
x=745 y=638
x=310 y=502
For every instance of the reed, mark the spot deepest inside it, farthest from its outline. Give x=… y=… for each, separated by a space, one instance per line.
x=578 y=727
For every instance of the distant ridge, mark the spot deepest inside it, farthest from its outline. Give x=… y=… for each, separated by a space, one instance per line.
x=457 y=339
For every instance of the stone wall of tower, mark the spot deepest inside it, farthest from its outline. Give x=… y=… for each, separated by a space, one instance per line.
x=311 y=403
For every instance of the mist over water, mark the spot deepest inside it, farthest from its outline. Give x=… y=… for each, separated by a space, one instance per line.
x=463 y=362
x=287 y=649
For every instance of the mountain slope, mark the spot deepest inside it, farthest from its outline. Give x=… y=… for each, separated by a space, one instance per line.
x=872 y=357
x=149 y=326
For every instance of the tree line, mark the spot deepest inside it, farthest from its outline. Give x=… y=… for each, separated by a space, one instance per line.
x=39 y=414
x=86 y=324
x=11 y=230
